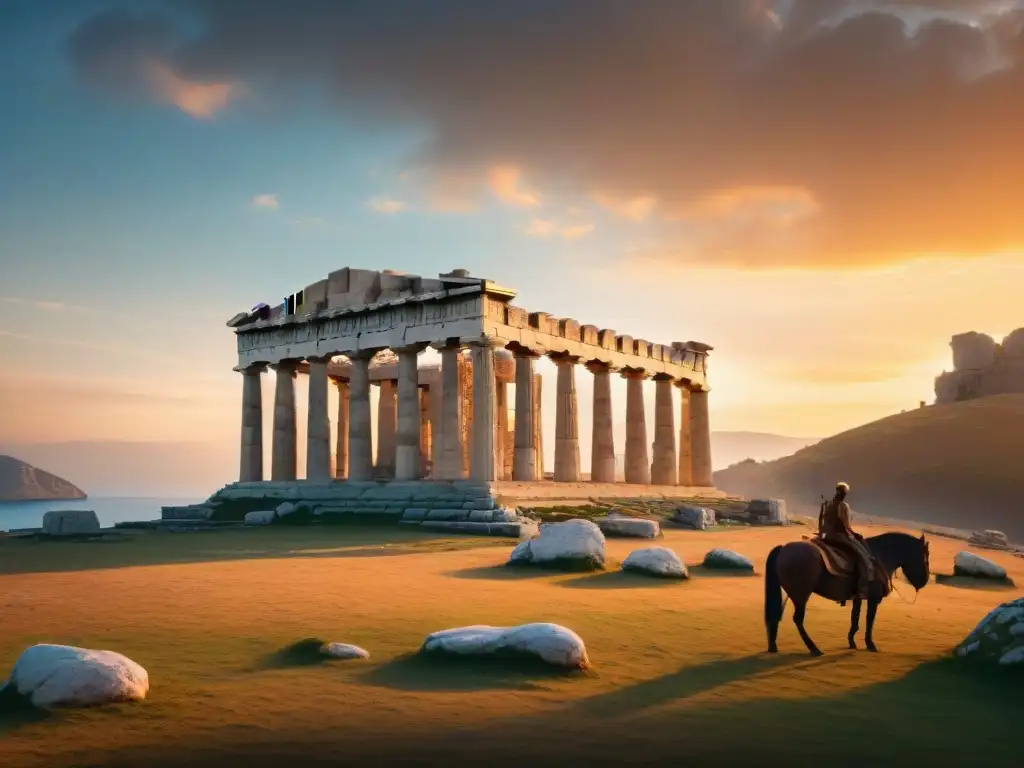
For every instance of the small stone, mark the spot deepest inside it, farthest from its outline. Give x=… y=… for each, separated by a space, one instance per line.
x=628 y=527
x=344 y=651
x=656 y=561
x=552 y=643
x=975 y=566
x=727 y=559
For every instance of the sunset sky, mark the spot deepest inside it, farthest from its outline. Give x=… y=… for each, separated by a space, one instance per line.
x=823 y=190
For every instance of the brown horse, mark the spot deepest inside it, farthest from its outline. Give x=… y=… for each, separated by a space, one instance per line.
x=798 y=569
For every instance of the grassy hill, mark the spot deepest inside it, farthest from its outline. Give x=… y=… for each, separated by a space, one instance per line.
x=957 y=465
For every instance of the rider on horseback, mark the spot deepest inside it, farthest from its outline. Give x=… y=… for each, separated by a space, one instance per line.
x=834 y=528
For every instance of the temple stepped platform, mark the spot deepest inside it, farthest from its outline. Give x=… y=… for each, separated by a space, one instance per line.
x=458 y=506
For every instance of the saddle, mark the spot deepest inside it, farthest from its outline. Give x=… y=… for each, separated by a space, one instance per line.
x=842 y=562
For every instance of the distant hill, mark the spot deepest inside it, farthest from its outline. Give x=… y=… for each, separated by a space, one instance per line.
x=20 y=481
x=727 y=448
x=956 y=465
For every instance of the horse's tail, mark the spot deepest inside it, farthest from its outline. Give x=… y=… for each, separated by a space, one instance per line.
x=772 y=590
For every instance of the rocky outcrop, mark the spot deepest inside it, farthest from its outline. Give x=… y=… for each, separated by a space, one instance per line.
x=551 y=643
x=65 y=676
x=981 y=367
x=999 y=637
x=20 y=481
x=656 y=561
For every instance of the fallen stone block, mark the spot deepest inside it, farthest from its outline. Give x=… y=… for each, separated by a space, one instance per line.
x=726 y=559
x=975 y=566
x=621 y=526
x=697 y=518
x=570 y=545
x=70 y=522
x=551 y=643
x=448 y=514
x=260 y=517
x=414 y=514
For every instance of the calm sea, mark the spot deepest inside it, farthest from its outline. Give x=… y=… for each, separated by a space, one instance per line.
x=110 y=510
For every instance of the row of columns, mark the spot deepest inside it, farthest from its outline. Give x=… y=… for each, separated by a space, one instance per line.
x=404 y=430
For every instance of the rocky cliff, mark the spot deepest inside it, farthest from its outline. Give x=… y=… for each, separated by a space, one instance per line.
x=23 y=482
x=982 y=367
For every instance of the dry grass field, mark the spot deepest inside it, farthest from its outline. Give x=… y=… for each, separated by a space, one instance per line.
x=679 y=672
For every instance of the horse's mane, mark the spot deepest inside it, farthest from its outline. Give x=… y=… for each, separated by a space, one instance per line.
x=885 y=543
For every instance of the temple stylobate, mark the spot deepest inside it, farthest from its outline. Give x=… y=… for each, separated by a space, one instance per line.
x=361 y=328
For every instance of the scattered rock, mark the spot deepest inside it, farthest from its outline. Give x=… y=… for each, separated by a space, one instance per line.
x=624 y=526
x=656 y=561
x=697 y=518
x=999 y=637
x=768 y=510
x=969 y=564
x=728 y=560
x=259 y=517
x=344 y=651
x=66 y=676
x=571 y=545
x=505 y=515
x=285 y=509
x=551 y=643
x=989 y=539
x=70 y=522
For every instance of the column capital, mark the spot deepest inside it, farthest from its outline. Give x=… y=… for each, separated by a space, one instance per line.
x=635 y=373
x=664 y=377
x=518 y=350
x=563 y=358
x=320 y=359
x=286 y=367
x=483 y=341
x=599 y=366
x=447 y=344
x=362 y=355
x=339 y=381
x=410 y=349
x=251 y=370
x=683 y=384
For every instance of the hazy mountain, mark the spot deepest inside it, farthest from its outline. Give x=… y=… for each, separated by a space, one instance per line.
x=728 y=448
x=20 y=481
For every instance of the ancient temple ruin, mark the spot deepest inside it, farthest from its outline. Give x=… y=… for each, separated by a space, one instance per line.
x=452 y=422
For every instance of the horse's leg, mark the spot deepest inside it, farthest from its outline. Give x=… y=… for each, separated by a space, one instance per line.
x=869 y=643
x=854 y=623
x=799 y=611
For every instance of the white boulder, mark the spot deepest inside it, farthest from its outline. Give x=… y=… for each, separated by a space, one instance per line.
x=344 y=651
x=999 y=637
x=656 y=561
x=551 y=643
x=698 y=518
x=66 y=676
x=573 y=545
x=728 y=560
x=259 y=517
x=628 y=527
x=68 y=522
x=969 y=564
x=285 y=509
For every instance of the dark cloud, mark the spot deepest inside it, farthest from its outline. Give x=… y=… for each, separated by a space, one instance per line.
x=766 y=138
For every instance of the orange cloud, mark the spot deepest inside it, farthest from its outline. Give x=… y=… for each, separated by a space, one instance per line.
x=199 y=100
x=634 y=208
x=386 y=205
x=504 y=182
x=546 y=228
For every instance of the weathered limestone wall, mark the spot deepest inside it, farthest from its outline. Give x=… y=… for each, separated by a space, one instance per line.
x=982 y=367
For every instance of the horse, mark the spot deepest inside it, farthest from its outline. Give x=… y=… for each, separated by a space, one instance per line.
x=798 y=568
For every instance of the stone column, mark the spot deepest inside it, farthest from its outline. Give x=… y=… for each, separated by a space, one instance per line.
x=360 y=438
x=567 y=429
x=483 y=467
x=637 y=470
x=318 y=424
x=700 y=439
x=524 y=459
x=387 y=429
x=251 y=455
x=451 y=416
x=341 y=434
x=283 y=459
x=664 y=466
x=426 y=430
x=538 y=424
x=602 y=450
x=685 y=461
x=436 y=395
x=407 y=449
x=500 y=425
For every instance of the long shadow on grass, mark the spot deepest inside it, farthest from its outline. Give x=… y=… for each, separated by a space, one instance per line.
x=504 y=572
x=449 y=672
x=966 y=582
x=704 y=572
x=619 y=580
x=304 y=653
x=16 y=711
x=692 y=680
